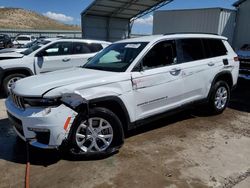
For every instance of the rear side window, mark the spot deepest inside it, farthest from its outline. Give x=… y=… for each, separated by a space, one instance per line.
x=94 y=47
x=81 y=48
x=85 y=48
x=190 y=50
x=214 y=48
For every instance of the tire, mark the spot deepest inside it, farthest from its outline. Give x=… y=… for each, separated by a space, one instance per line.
x=90 y=145
x=8 y=79
x=219 y=98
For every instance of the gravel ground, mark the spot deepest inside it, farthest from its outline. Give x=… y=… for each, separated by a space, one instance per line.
x=185 y=150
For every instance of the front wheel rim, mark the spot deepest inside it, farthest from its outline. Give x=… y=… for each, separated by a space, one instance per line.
x=11 y=82
x=94 y=137
x=221 y=97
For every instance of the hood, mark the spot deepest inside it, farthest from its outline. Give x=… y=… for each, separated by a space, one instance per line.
x=8 y=50
x=38 y=85
x=10 y=55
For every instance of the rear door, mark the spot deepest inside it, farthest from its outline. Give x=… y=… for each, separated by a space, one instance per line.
x=200 y=61
x=57 y=56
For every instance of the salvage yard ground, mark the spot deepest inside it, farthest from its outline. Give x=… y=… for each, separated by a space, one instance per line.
x=188 y=149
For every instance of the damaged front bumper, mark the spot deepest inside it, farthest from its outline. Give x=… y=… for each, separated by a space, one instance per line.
x=42 y=127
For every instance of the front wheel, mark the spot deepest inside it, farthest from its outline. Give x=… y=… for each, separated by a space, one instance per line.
x=10 y=80
x=102 y=134
x=219 y=97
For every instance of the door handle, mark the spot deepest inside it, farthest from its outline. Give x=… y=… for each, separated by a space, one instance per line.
x=66 y=59
x=210 y=64
x=175 y=71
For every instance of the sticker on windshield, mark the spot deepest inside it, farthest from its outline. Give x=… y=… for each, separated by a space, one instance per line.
x=132 y=45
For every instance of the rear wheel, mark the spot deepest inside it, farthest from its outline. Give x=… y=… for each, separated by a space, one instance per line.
x=219 y=97
x=8 y=81
x=102 y=134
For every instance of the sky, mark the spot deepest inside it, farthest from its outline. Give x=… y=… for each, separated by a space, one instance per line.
x=68 y=11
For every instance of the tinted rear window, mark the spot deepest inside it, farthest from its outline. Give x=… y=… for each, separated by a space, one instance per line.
x=214 y=48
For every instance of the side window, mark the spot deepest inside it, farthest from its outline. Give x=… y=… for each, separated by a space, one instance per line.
x=190 y=50
x=81 y=48
x=58 y=49
x=214 y=48
x=162 y=54
x=94 y=47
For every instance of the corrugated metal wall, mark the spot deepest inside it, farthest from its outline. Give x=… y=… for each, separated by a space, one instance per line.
x=242 y=31
x=213 y=20
x=38 y=33
x=103 y=28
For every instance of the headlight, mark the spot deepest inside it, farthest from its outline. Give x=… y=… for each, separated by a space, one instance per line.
x=41 y=102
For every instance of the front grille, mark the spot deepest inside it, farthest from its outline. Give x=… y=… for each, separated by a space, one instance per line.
x=18 y=101
x=17 y=123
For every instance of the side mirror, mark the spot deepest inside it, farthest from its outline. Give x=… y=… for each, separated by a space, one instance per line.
x=90 y=58
x=39 y=54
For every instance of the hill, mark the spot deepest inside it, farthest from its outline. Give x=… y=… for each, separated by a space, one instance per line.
x=17 y=18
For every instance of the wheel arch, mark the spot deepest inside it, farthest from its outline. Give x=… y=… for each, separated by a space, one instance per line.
x=116 y=105
x=223 y=76
x=25 y=71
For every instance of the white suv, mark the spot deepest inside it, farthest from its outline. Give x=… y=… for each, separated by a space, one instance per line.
x=88 y=109
x=46 y=56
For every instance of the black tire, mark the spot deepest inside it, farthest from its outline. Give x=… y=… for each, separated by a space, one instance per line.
x=8 y=78
x=118 y=134
x=212 y=107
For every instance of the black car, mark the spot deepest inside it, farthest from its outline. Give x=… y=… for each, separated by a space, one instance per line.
x=244 y=57
x=5 y=41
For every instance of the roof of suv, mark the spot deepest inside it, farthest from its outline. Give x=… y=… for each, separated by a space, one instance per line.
x=83 y=40
x=172 y=36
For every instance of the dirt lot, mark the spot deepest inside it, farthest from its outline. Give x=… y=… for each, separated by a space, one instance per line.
x=185 y=150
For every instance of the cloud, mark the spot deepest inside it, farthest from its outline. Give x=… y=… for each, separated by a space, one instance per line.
x=58 y=16
x=2 y=7
x=145 y=21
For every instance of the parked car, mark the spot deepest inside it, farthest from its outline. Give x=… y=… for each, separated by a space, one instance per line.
x=5 y=41
x=22 y=40
x=244 y=57
x=41 y=58
x=10 y=53
x=133 y=81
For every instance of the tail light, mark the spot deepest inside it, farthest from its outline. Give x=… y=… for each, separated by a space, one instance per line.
x=236 y=58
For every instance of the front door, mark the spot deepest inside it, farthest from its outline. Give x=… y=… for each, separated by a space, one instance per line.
x=57 y=56
x=158 y=86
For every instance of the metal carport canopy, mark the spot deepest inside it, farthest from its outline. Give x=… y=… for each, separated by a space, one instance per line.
x=112 y=20
x=125 y=9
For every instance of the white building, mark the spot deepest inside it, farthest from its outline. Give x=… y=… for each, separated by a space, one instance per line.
x=242 y=29
x=211 y=20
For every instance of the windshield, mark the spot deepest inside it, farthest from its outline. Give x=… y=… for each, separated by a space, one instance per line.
x=35 y=47
x=1 y=37
x=116 y=57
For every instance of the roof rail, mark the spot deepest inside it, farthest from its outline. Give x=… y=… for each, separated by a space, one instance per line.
x=191 y=33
